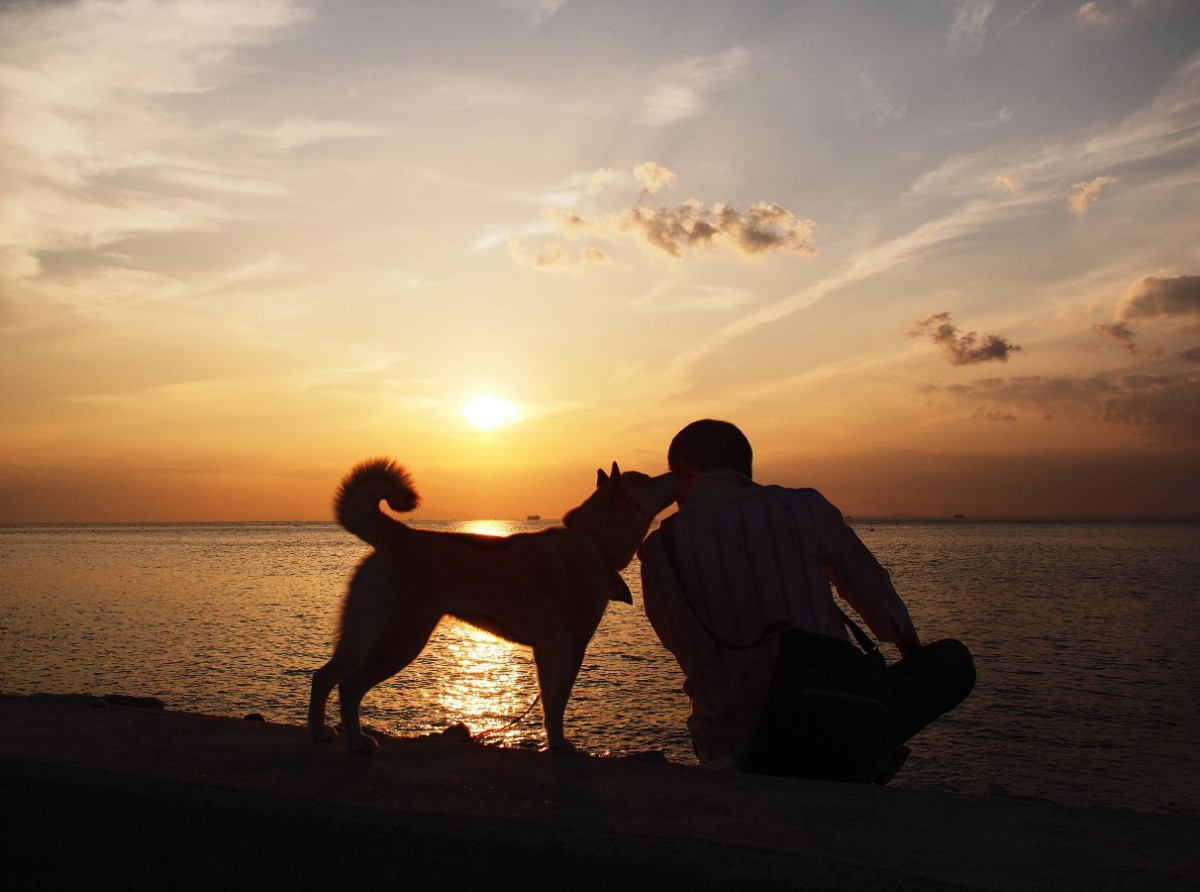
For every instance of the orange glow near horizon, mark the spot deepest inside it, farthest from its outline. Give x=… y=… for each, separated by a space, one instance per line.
x=243 y=286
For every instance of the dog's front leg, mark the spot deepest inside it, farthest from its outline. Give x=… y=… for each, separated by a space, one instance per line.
x=557 y=667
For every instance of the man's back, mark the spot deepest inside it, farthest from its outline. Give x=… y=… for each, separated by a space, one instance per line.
x=749 y=556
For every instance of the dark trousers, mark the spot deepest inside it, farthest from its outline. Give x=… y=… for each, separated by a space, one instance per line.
x=924 y=685
x=835 y=738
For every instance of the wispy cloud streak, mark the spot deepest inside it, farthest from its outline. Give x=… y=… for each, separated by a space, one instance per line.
x=95 y=149
x=680 y=90
x=1168 y=131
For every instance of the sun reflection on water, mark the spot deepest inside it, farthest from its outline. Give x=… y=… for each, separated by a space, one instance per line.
x=489 y=683
x=468 y=675
x=489 y=527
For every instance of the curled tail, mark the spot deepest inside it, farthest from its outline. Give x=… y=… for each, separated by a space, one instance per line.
x=356 y=504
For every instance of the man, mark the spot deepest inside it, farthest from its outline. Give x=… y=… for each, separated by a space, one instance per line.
x=748 y=556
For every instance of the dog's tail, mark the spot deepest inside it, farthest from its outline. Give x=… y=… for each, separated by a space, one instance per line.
x=356 y=504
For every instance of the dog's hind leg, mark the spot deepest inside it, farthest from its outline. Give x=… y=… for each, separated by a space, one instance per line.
x=557 y=667
x=323 y=681
x=398 y=647
x=356 y=639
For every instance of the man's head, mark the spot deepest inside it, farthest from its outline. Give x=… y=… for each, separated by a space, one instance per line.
x=709 y=445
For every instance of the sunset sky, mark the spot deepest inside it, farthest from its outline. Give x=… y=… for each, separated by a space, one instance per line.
x=934 y=257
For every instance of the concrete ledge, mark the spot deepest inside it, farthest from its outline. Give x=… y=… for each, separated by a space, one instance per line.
x=109 y=796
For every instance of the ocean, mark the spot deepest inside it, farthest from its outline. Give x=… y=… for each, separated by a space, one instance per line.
x=1085 y=633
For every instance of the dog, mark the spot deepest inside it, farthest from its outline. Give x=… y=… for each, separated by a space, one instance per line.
x=547 y=590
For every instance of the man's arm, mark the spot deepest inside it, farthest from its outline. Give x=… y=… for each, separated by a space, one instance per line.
x=859 y=577
x=907 y=640
x=654 y=565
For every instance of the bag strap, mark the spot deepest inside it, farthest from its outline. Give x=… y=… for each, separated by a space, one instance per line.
x=773 y=630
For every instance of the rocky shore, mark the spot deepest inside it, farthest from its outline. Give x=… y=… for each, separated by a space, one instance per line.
x=121 y=794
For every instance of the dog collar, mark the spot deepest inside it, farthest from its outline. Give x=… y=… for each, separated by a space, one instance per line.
x=618 y=589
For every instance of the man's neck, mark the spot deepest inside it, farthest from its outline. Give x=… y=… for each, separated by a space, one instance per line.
x=715 y=486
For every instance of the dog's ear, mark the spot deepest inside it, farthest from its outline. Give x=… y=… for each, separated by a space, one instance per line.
x=616 y=472
x=601 y=477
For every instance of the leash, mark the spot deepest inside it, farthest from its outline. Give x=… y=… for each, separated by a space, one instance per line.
x=772 y=631
x=515 y=721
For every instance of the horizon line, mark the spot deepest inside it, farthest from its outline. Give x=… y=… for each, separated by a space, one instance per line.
x=857 y=518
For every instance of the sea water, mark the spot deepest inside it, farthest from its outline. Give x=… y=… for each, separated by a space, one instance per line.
x=1085 y=634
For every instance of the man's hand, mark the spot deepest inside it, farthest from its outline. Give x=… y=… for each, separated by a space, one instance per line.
x=908 y=641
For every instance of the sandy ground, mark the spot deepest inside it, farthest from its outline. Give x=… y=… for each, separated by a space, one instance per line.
x=103 y=796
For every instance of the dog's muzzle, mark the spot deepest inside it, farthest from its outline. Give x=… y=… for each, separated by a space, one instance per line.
x=658 y=494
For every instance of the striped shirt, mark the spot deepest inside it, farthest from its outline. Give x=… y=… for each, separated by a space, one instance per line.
x=751 y=555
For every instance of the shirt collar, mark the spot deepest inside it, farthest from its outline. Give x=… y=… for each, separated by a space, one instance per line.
x=717 y=486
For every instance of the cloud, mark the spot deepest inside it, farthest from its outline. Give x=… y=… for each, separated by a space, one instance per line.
x=536 y=11
x=1008 y=182
x=653 y=177
x=1109 y=14
x=1156 y=297
x=991 y=415
x=1157 y=402
x=1162 y=135
x=1085 y=193
x=1165 y=406
x=1094 y=14
x=763 y=227
x=1002 y=116
x=453 y=92
x=297 y=132
x=686 y=228
x=1153 y=298
x=964 y=349
x=597 y=180
x=1121 y=332
x=968 y=31
x=668 y=297
x=681 y=88
x=96 y=139
x=555 y=256
x=570 y=190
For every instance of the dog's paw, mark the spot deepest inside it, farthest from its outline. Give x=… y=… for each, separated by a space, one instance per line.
x=365 y=745
x=324 y=733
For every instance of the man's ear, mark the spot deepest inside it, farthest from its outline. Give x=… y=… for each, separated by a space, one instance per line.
x=601 y=477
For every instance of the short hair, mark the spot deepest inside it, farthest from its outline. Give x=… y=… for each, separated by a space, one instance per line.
x=710 y=445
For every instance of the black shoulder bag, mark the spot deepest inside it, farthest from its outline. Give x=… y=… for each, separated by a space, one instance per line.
x=825 y=703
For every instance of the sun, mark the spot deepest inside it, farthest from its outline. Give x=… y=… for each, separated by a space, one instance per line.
x=487 y=412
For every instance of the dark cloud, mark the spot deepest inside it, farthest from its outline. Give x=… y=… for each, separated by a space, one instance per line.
x=1047 y=397
x=991 y=415
x=1154 y=297
x=1192 y=355
x=960 y=348
x=1163 y=402
x=1151 y=298
x=1165 y=406
x=1162 y=481
x=1121 y=332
